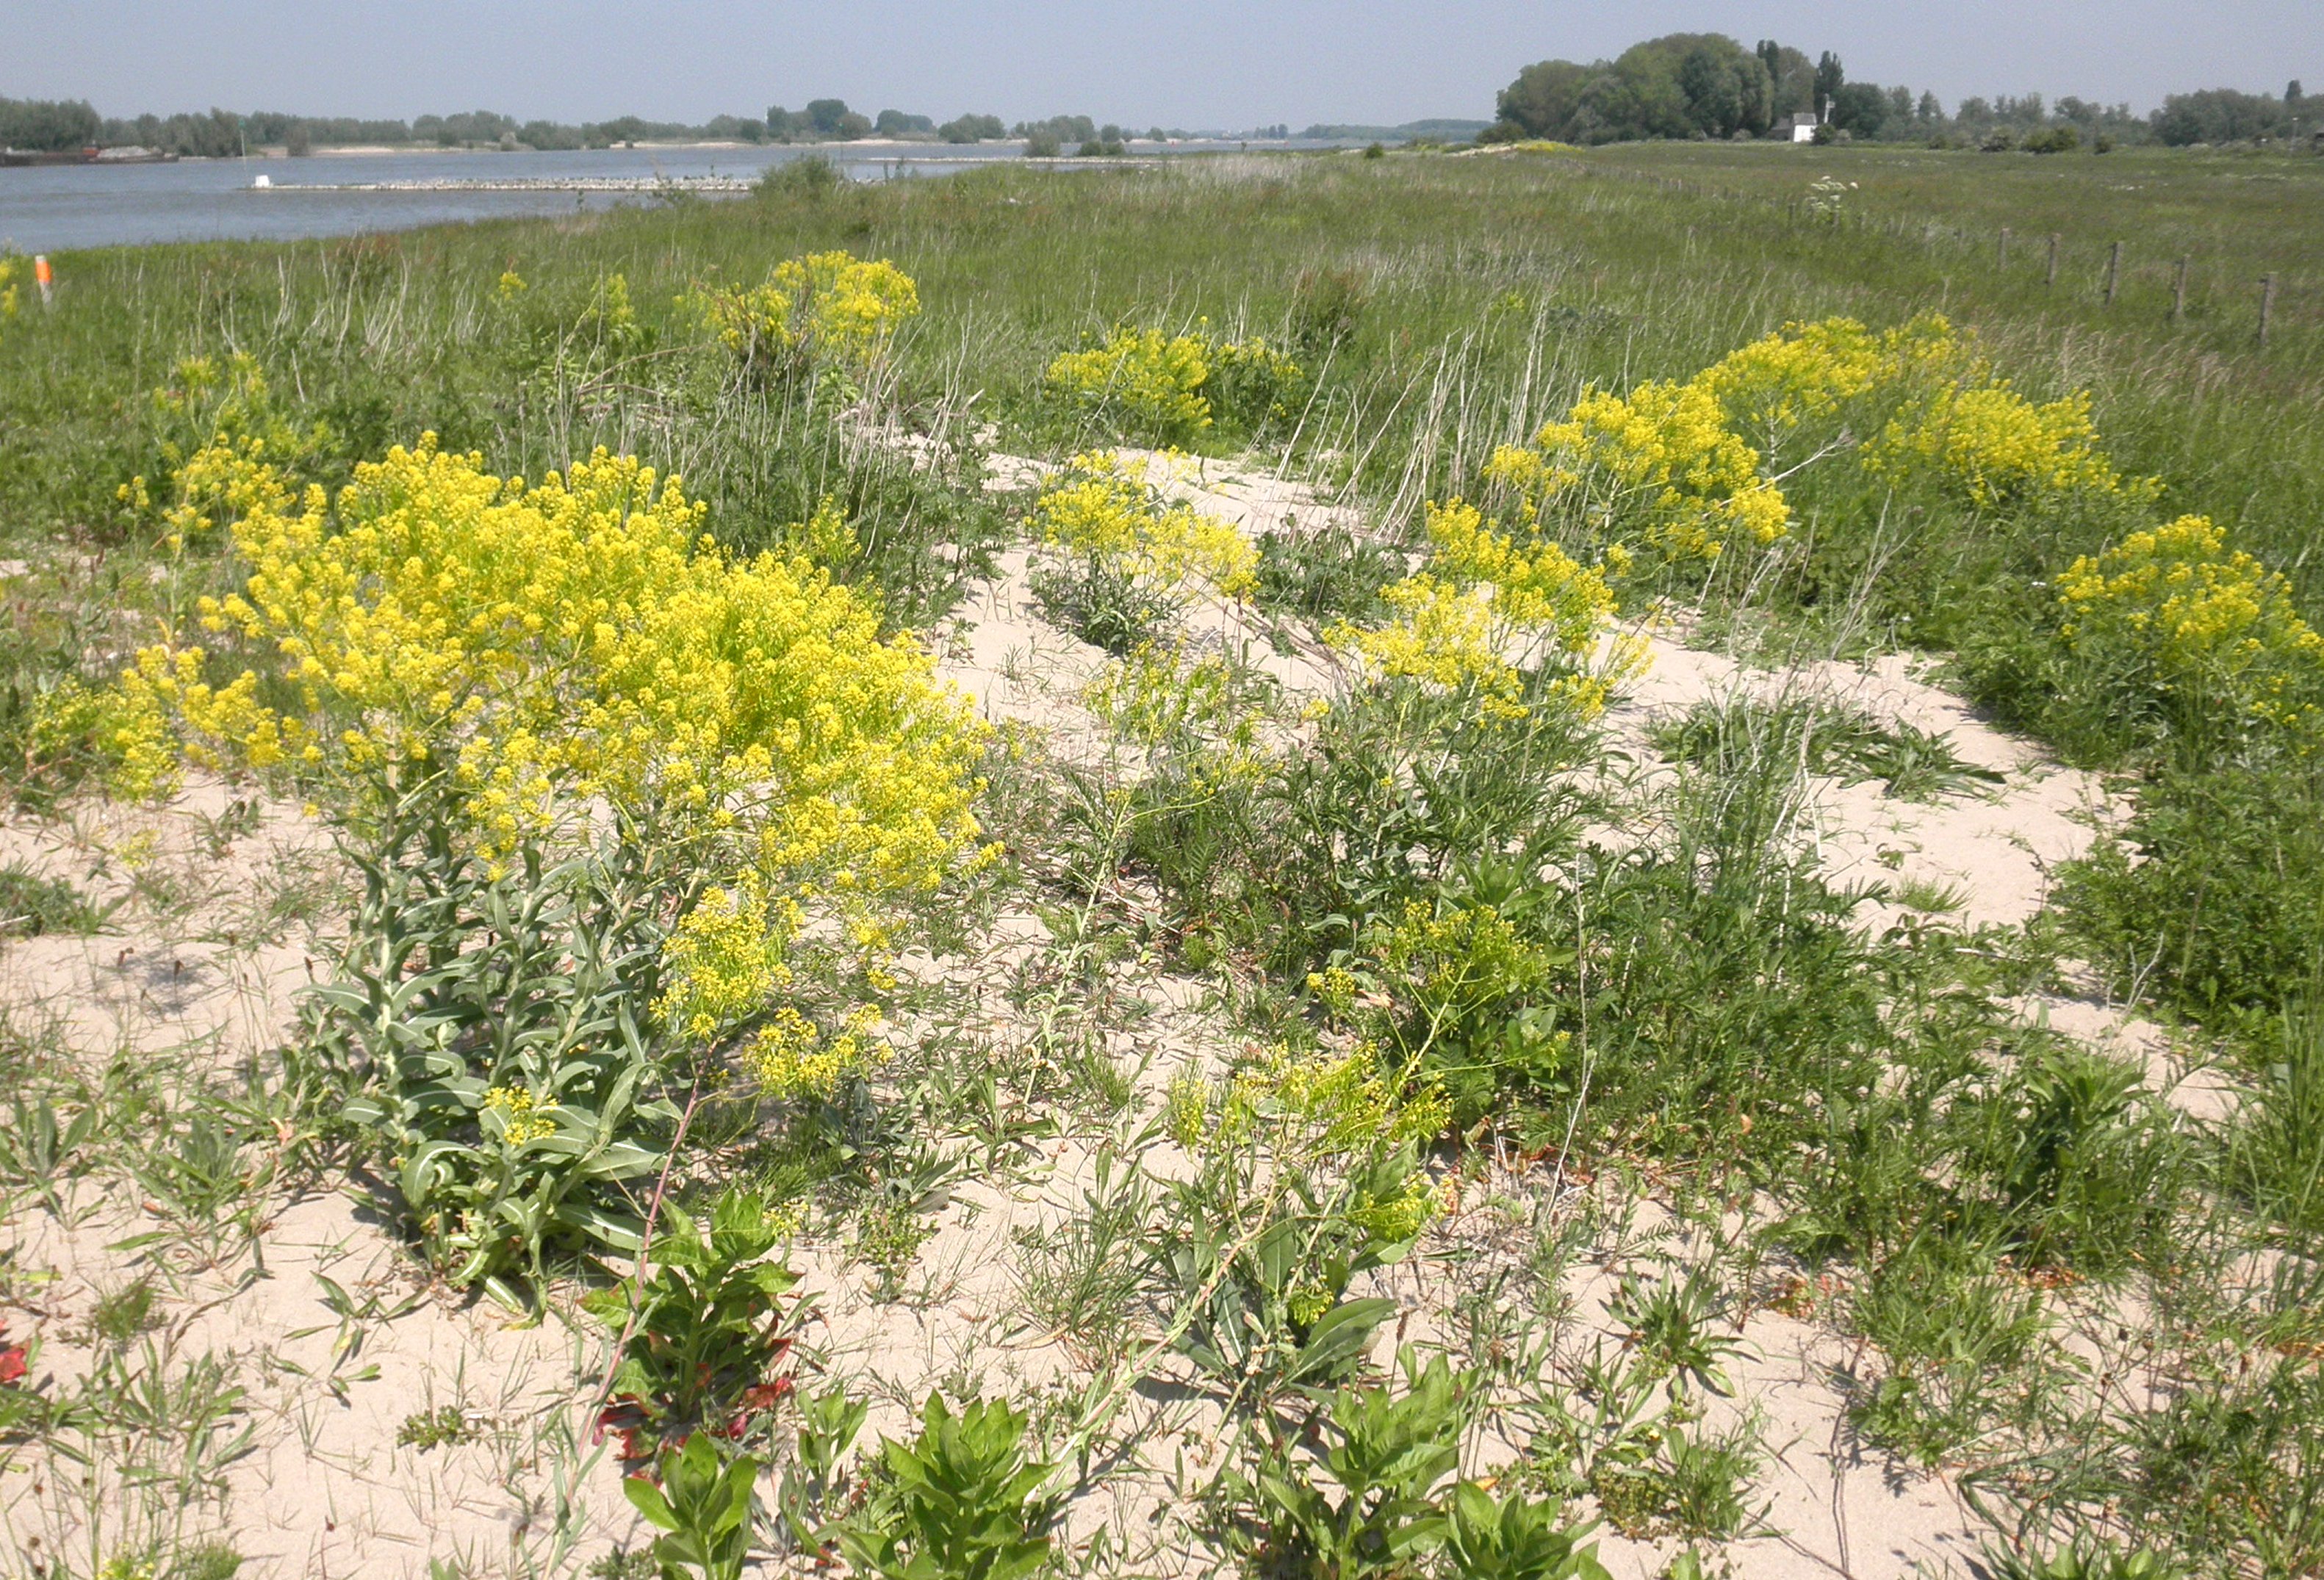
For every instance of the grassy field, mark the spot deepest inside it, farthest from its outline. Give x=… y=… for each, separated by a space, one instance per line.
x=1385 y=1040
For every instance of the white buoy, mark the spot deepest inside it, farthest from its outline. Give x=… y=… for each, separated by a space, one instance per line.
x=264 y=182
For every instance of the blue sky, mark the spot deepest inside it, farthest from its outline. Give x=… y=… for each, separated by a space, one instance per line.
x=1230 y=63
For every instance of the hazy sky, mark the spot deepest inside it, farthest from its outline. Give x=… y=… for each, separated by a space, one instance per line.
x=1194 y=63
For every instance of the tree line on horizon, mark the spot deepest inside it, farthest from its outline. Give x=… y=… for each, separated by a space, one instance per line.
x=1678 y=86
x=55 y=125
x=1708 y=86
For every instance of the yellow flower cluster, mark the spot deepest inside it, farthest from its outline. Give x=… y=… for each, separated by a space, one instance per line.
x=1101 y=508
x=125 y=732
x=514 y=1113
x=725 y=959
x=581 y=639
x=1161 y=691
x=1537 y=585
x=1810 y=373
x=8 y=303
x=2215 y=627
x=242 y=445
x=791 y=1058
x=1484 y=604
x=1307 y=1108
x=1995 y=445
x=828 y=309
x=1457 y=958
x=609 y=319
x=1166 y=384
x=1660 y=460
x=1153 y=380
x=1443 y=637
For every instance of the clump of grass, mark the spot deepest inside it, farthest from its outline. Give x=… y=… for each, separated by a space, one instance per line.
x=125 y=1313
x=1839 y=742
x=31 y=905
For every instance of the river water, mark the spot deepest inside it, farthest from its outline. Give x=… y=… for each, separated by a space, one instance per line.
x=54 y=208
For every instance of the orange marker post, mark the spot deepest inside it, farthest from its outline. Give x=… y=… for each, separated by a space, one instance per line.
x=43 y=277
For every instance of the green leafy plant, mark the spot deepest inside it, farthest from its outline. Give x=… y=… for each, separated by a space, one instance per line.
x=123 y=1313
x=493 y=1026
x=2275 y=1155
x=1387 y=1453
x=817 y=1482
x=1308 y=1177
x=1514 y=1537
x=702 y=1507
x=446 y=1426
x=960 y=1502
x=1324 y=576
x=31 y=905
x=1824 y=738
x=1080 y=1277
x=2085 y=1558
x=706 y=1331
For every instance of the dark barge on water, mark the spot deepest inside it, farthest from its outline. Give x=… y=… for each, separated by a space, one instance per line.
x=80 y=156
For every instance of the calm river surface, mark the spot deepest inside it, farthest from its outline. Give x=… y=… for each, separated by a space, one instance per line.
x=54 y=208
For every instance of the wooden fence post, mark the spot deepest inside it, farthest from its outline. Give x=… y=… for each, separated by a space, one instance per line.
x=2052 y=278
x=2114 y=273
x=2004 y=263
x=2178 y=294
x=2266 y=307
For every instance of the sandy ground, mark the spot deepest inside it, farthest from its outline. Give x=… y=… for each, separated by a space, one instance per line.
x=322 y=1318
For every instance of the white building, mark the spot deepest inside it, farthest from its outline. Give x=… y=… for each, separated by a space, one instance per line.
x=1804 y=127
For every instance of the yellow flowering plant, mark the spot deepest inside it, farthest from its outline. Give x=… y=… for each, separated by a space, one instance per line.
x=1489 y=607
x=1173 y=389
x=560 y=709
x=1995 y=446
x=1659 y=466
x=1810 y=382
x=75 y=731
x=797 y=1061
x=224 y=435
x=1125 y=558
x=1306 y=1175
x=2170 y=615
x=826 y=310
x=544 y=648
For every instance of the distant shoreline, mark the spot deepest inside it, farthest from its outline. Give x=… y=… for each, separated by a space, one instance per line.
x=931 y=145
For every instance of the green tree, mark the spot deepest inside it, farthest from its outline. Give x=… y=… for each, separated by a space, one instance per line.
x=1542 y=101
x=1859 y=109
x=1830 y=79
x=2218 y=114
x=1681 y=84
x=1793 y=75
x=47 y=125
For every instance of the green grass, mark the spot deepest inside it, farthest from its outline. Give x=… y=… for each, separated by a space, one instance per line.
x=1485 y=289
x=31 y=905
